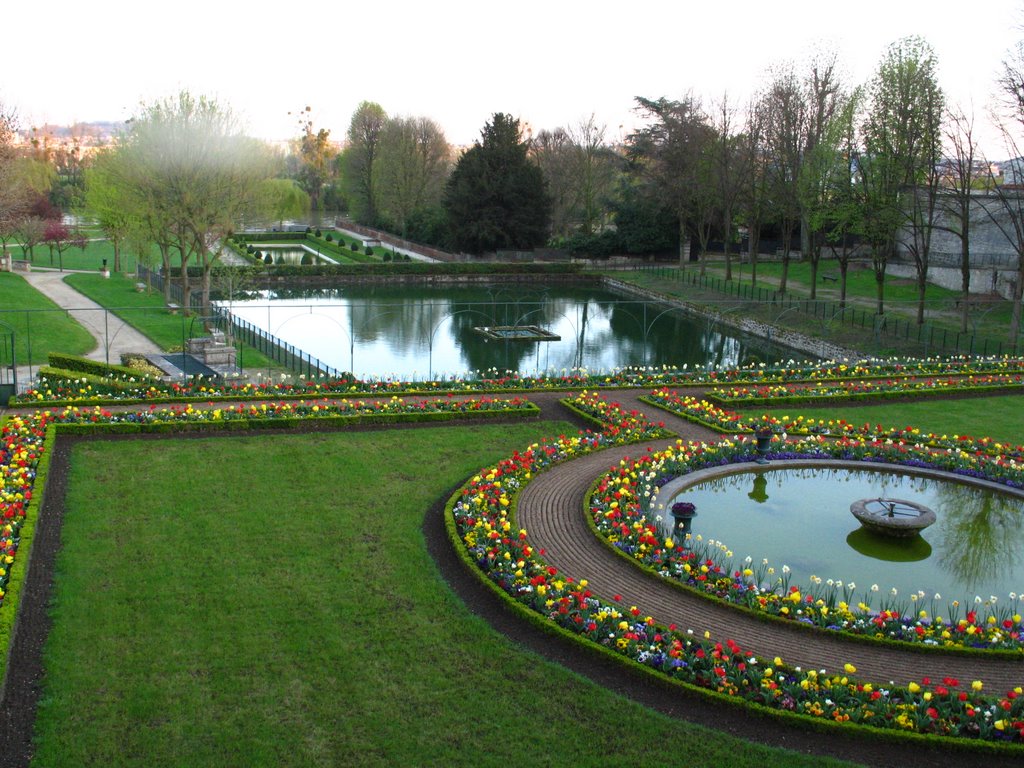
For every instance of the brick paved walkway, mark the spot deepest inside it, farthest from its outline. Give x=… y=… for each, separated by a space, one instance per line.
x=550 y=508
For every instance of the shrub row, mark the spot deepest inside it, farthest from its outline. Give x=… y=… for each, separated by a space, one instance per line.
x=84 y=365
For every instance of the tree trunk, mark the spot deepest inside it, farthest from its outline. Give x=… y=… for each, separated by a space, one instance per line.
x=753 y=243
x=1018 y=293
x=844 y=264
x=727 y=220
x=922 y=287
x=165 y=261
x=684 y=244
x=117 y=254
x=965 y=281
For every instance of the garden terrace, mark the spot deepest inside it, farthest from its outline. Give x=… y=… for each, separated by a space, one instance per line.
x=548 y=507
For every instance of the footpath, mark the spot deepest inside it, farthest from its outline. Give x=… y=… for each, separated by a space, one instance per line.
x=113 y=336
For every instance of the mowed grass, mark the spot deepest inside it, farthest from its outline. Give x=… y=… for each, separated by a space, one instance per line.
x=269 y=601
x=1001 y=418
x=39 y=325
x=145 y=311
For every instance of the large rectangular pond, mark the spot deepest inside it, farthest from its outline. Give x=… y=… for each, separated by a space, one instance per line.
x=419 y=332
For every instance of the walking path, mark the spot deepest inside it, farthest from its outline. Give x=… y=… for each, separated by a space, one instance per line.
x=113 y=336
x=550 y=508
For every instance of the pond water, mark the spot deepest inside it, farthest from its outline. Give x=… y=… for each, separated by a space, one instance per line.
x=292 y=256
x=418 y=332
x=800 y=517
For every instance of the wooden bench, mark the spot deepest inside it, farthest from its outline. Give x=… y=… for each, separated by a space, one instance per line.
x=829 y=278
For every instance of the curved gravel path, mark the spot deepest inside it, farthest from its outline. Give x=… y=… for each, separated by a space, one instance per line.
x=550 y=508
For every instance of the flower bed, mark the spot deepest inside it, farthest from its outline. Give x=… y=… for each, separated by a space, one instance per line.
x=722 y=420
x=55 y=390
x=863 y=389
x=481 y=523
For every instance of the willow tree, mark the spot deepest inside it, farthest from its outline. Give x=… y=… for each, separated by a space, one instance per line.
x=194 y=174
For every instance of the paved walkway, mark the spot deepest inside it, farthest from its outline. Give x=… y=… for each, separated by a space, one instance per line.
x=113 y=336
x=550 y=508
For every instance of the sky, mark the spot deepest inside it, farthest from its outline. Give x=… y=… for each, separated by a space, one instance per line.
x=551 y=64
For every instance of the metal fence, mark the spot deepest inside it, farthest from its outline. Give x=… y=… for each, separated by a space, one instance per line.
x=281 y=352
x=936 y=339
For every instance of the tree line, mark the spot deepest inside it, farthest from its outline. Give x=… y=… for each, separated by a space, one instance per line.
x=825 y=168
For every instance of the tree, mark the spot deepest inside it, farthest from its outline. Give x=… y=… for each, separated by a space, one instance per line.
x=552 y=151
x=284 y=199
x=1009 y=115
x=822 y=155
x=834 y=215
x=316 y=155
x=14 y=194
x=754 y=193
x=785 y=122
x=107 y=201
x=730 y=166
x=668 y=157
x=31 y=231
x=193 y=174
x=60 y=237
x=411 y=168
x=364 y=136
x=495 y=197
x=901 y=136
x=958 y=195
x=595 y=170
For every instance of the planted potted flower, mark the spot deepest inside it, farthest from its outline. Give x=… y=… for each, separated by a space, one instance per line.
x=763 y=434
x=683 y=513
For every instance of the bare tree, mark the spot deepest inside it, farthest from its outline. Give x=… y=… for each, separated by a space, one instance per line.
x=595 y=169
x=1008 y=112
x=754 y=192
x=731 y=166
x=785 y=113
x=958 y=194
x=413 y=162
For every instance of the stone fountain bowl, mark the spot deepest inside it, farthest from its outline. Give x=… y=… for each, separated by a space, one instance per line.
x=898 y=518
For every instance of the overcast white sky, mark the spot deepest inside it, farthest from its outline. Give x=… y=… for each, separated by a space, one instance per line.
x=550 y=63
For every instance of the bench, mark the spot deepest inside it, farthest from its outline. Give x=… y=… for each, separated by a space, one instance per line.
x=829 y=278
x=173 y=308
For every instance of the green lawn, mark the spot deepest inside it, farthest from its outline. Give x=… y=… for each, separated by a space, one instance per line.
x=39 y=325
x=146 y=312
x=91 y=258
x=1001 y=418
x=269 y=601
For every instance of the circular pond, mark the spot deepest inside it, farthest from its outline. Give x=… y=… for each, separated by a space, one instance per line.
x=800 y=517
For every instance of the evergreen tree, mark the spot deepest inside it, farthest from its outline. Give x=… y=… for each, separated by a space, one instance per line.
x=496 y=198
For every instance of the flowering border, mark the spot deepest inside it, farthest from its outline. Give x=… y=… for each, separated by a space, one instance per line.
x=722 y=420
x=126 y=389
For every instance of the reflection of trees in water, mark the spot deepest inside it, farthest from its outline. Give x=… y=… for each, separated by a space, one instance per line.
x=980 y=532
x=609 y=331
x=977 y=536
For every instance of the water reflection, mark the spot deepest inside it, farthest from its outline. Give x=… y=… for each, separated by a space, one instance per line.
x=801 y=518
x=407 y=330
